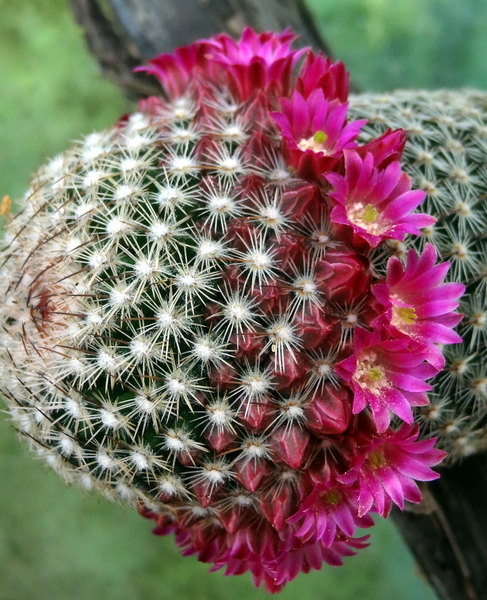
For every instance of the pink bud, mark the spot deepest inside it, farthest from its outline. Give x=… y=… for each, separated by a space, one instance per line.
x=250 y=473
x=343 y=276
x=329 y=410
x=290 y=445
x=278 y=504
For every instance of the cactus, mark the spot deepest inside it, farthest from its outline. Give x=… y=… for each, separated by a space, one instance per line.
x=202 y=317
x=446 y=157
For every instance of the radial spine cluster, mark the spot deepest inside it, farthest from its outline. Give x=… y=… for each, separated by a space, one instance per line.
x=201 y=317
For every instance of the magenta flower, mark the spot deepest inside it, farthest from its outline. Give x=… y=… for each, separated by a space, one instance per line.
x=386 y=375
x=328 y=509
x=268 y=46
x=273 y=558
x=386 y=148
x=386 y=467
x=315 y=128
x=320 y=73
x=175 y=71
x=419 y=304
x=376 y=203
x=258 y=61
x=310 y=557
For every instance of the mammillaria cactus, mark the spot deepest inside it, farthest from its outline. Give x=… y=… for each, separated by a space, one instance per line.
x=202 y=317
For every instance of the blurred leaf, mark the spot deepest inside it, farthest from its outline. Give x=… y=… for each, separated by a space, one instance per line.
x=50 y=91
x=407 y=43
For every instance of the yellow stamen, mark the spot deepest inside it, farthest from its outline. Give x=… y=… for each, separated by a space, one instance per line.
x=408 y=315
x=332 y=497
x=370 y=214
x=320 y=137
x=376 y=459
x=374 y=374
x=316 y=142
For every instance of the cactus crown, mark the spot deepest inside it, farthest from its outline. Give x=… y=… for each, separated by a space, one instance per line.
x=200 y=318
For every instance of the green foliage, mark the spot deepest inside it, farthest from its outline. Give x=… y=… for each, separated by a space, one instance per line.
x=407 y=43
x=50 y=91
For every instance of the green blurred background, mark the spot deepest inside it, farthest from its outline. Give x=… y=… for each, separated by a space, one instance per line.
x=58 y=543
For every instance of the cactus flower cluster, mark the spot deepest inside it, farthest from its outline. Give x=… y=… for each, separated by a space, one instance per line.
x=446 y=157
x=201 y=316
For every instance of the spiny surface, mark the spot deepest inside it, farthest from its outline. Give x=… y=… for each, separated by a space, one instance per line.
x=200 y=318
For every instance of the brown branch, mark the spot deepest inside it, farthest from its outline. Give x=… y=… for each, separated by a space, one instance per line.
x=116 y=58
x=449 y=539
x=130 y=32
x=154 y=26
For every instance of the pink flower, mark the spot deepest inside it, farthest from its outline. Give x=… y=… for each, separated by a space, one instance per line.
x=268 y=46
x=386 y=148
x=330 y=508
x=270 y=549
x=175 y=71
x=311 y=556
x=376 y=203
x=323 y=74
x=419 y=304
x=316 y=128
x=387 y=375
x=274 y=558
x=386 y=467
x=258 y=61
x=343 y=276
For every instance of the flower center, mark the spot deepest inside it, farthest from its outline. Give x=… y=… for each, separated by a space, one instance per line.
x=370 y=376
x=316 y=143
x=374 y=374
x=404 y=315
x=331 y=496
x=376 y=459
x=369 y=214
x=366 y=217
